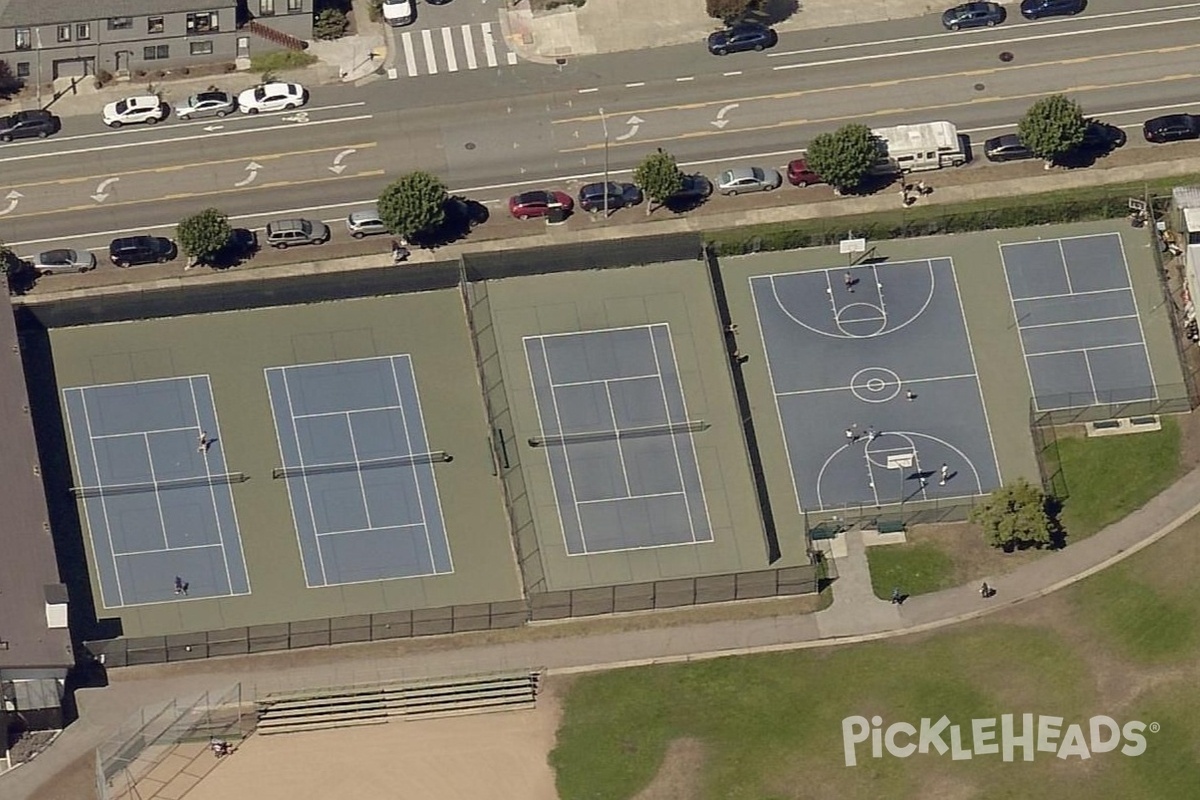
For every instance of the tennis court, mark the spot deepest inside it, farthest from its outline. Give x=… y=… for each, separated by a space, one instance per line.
x=1074 y=306
x=618 y=440
x=359 y=470
x=156 y=491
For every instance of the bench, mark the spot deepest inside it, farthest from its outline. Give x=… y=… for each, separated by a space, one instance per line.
x=825 y=530
x=890 y=526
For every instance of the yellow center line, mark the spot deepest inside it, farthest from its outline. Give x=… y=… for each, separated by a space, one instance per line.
x=189 y=195
x=877 y=84
x=199 y=164
x=979 y=101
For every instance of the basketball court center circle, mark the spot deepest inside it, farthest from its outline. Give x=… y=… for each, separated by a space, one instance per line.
x=875 y=384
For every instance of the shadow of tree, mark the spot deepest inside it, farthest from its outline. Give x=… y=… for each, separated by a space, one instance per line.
x=770 y=12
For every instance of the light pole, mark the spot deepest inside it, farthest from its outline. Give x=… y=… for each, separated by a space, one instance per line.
x=37 y=34
x=604 y=123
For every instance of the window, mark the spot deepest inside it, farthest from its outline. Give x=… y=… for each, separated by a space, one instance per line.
x=266 y=7
x=64 y=33
x=24 y=39
x=201 y=48
x=83 y=31
x=155 y=25
x=157 y=52
x=22 y=69
x=295 y=6
x=203 y=22
x=120 y=23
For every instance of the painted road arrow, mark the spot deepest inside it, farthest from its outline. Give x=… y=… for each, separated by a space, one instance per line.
x=338 y=166
x=720 y=122
x=100 y=196
x=211 y=128
x=13 y=198
x=634 y=122
x=300 y=117
x=252 y=169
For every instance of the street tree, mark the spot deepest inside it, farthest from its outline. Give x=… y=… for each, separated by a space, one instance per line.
x=203 y=235
x=730 y=11
x=1052 y=127
x=842 y=158
x=659 y=177
x=413 y=205
x=1015 y=516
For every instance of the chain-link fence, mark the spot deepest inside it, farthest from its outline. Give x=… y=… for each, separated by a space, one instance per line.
x=155 y=750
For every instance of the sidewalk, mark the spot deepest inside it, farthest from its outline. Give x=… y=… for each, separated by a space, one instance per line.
x=611 y=26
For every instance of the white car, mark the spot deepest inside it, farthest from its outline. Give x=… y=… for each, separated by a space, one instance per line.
x=143 y=108
x=272 y=97
x=399 y=12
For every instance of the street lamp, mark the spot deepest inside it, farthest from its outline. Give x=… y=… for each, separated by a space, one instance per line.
x=37 y=34
x=604 y=123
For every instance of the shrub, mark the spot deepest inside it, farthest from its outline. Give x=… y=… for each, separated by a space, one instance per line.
x=281 y=59
x=375 y=10
x=330 y=24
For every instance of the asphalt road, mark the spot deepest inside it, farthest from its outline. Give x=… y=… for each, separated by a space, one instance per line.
x=492 y=131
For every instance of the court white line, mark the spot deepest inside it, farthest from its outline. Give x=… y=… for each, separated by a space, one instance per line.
x=351 y=411
x=1087 y=364
x=605 y=380
x=416 y=478
x=448 y=49
x=1062 y=257
x=912 y=382
x=376 y=530
x=662 y=387
x=537 y=408
x=469 y=47
x=1072 y=294
x=430 y=55
x=771 y=378
x=636 y=497
x=162 y=520
x=612 y=413
x=112 y=550
x=489 y=44
x=292 y=499
x=1065 y=323
x=1012 y=301
x=312 y=514
x=137 y=383
x=410 y=56
x=362 y=486
x=1082 y=350
x=212 y=489
x=169 y=550
x=566 y=455
x=138 y=433
x=1136 y=310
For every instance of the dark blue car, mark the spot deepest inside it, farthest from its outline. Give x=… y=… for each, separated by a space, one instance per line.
x=741 y=37
x=1036 y=9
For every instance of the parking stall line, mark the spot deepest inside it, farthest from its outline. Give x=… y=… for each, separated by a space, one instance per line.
x=448 y=46
x=469 y=47
x=489 y=44
x=430 y=55
x=410 y=56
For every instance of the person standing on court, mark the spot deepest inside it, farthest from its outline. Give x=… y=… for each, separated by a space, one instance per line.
x=945 y=474
x=849 y=280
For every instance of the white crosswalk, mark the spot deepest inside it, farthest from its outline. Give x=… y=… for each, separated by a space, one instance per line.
x=440 y=50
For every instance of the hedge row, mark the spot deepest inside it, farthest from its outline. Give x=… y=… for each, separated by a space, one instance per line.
x=1102 y=202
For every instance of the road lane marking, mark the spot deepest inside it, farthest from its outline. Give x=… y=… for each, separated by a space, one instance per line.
x=588 y=91
x=430 y=55
x=688 y=78
x=469 y=47
x=448 y=47
x=635 y=85
x=512 y=58
x=732 y=74
x=489 y=45
x=410 y=55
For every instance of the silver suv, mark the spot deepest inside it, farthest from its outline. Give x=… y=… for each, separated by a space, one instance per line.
x=284 y=233
x=365 y=222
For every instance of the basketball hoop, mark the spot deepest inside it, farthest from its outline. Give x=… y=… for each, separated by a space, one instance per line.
x=901 y=460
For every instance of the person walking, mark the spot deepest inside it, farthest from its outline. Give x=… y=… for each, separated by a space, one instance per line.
x=849 y=281
x=178 y=585
x=897 y=598
x=202 y=442
x=872 y=433
x=945 y=474
x=910 y=395
x=851 y=436
x=986 y=591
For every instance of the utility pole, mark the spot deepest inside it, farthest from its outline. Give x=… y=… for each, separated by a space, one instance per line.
x=604 y=123
x=37 y=33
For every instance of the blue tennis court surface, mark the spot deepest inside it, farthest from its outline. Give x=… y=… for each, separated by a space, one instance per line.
x=158 y=500
x=359 y=470
x=1082 y=336
x=618 y=440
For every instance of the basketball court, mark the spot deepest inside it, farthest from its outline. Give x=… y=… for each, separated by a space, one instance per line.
x=618 y=440
x=1074 y=306
x=157 y=497
x=875 y=385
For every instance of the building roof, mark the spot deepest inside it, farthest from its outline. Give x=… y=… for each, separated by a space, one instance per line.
x=30 y=590
x=14 y=13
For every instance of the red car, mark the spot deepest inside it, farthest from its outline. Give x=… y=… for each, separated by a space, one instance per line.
x=538 y=203
x=799 y=174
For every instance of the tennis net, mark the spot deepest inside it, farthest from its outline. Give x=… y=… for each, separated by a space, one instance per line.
x=158 y=486
x=305 y=470
x=692 y=426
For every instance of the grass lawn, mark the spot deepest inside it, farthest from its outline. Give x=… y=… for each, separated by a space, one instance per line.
x=913 y=568
x=1123 y=643
x=1108 y=477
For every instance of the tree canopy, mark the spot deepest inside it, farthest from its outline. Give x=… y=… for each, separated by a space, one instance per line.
x=414 y=204
x=1015 y=516
x=842 y=158
x=659 y=177
x=1052 y=126
x=203 y=235
x=729 y=11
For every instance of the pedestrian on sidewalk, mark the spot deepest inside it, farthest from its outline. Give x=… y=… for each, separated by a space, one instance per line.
x=897 y=598
x=986 y=591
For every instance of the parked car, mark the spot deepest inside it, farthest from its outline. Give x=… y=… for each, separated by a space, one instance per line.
x=437 y=2
x=399 y=12
x=973 y=15
x=145 y=108
x=212 y=103
x=695 y=188
x=283 y=233
x=62 y=259
x=272 y=97
x=538 y=203
x=242 y=244
x=1036 y=9
x=741 y=180
x=27 y=124
x=592 y=196
x=741 y=37
x=130 y=251
x=1171 y=128
x=1008 y=147
x=464 y=213
x=799 y=173
x=1100 y=136
x=365 y=222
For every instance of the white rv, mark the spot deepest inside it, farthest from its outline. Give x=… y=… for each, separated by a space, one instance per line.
x=921 y=146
